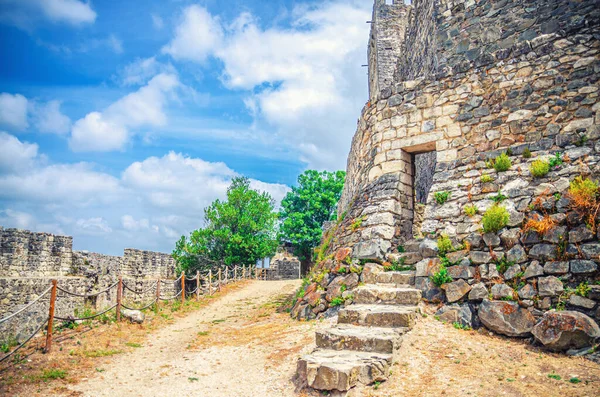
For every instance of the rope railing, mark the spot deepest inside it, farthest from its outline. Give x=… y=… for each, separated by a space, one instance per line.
x=208 y=281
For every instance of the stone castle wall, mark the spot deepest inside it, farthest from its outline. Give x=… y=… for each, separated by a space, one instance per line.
x=475 y=79
x=29 y=261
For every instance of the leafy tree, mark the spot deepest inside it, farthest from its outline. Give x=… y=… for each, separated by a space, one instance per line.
x=307 y=207
x=239 y=230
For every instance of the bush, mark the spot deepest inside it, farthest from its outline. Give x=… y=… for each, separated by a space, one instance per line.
x=539 y=168
x=471 y=209
x=441 y=197
x=502 y=163
x=441 y=277
x=444 y=245
x=585 y=199
x=487 y=178
x=539 y=224
x=556 y=161
x=527 y=153
x=337 y=301
x=495 y=218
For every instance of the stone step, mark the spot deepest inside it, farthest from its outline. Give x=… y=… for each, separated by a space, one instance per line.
x=378 y=315
x=366 y=339
x=341 y=370
x=377 y=293
x=399 y=278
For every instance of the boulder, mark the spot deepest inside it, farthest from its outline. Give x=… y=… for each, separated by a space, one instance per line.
x=580 y=234
x=456 y=314
x=134 y=316
x=506 y=318
x=512 y=272
x=550 y=286
x=456 y=290
x=488 y=271
x=429 y=291
x=510 y=237
x=562 y=330
x=581 y=302
x=543 y=252
x=500 y=291
x=334 y=289
x=478 y=292
x=427 y=267
x=556 y=267
x=428 y=248
x=516 y=254
x=527 y=292
x=580 y=266
x=533 y=270
x=480 y=258
x=461 y=271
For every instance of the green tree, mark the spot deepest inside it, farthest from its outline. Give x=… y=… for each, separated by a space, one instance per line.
x=239 y=230
x=307 y=207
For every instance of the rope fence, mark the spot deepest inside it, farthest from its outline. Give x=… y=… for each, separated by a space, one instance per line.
x=210 y=281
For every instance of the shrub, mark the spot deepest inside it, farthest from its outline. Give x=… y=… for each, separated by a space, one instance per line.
x=498 y=198
x=584 y=195
x=441 y=277
x=487 y=178
x=471 y=209
x=444 y=245
x=441 y=197
x=502 y=163
x=555 y=161
x=539 y=224
x=539 y=168
x=495 y=218
x=582 y=289
x=527 y=153
x=337 y=301
x=397 y=266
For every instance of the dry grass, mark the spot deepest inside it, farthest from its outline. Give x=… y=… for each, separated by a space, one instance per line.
x=86 y=349
x=540 y=224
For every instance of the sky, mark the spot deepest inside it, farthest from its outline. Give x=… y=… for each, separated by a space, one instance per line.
x=120 y=121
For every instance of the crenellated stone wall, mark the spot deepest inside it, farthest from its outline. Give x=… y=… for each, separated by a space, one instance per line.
x=29 y=261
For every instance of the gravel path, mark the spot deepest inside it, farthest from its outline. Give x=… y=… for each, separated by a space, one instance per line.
x=228 y=348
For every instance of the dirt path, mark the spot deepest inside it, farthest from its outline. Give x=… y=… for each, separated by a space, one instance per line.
x=228 y=348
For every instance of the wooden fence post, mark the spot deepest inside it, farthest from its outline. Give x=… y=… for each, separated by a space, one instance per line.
x=244 y=271
x=198 y=285
x=51 y=317
x=235 y=273
x=182 y=288
x=256 y=272
x=157 y=293
x=210 y=282
x=219 y=284
x=226 y=275
x=119 y=297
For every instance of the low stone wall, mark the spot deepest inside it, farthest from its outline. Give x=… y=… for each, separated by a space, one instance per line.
x=284 y=266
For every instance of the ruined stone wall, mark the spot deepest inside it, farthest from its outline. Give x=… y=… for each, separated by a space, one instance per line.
x=29 y=261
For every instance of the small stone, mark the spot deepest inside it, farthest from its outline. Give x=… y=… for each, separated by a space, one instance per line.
x=580 y=266
x=478 y=292
x=427 y=267
x=512 y=272
x=510 y=237
x=591 y=251
x=527 y=292
x=562 y=330
x=479 y=258
x=428 y=248
x=594 y=292
x=429 y=291
x=456 y=290
x=134 y=316
x=543 y=251
x=456 y=256
x=550 y=286
x=506 y=318
x=556 y=267
x=461 y=271
x=556 y=235
x=491 y=239
x=456 y=314
x=580 y=301
x=580 y=234
x=488 y=271
x=500 y=291
x=533 y=270
x=516 y=254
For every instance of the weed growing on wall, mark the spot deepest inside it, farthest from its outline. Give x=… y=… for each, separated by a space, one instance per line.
x=539 y=168
x=441 y=197
x=495 y=218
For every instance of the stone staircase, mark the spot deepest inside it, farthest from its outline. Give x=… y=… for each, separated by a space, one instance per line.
x=361 y=348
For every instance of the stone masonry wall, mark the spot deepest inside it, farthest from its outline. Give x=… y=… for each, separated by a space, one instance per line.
x=29 y=261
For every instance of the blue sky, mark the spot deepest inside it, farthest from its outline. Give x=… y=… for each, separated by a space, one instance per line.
x=121 y=120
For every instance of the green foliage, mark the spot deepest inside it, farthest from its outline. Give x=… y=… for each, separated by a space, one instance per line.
x=554 y=376
x=397 y=266
x=444 y=244
x=555 y=161
x=441 y=197
x=460 y=326
x=582 y=140
x=582 y=289
x=575 y=380
x=441 y=277
x=51 y=374
x=527 y=153
x=539 y=168
x=401 y=249
x=584 y=189
x=304 y=210
x=498 y=198
x=239 y=230
x=495 y=218
x=337 y=301
x=357 y=223
x=486 y=178
x=501 y=163
x=502 y=264
x=471 y=209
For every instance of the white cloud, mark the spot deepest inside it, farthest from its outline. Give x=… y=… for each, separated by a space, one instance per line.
x=13 y=111
x=110 y=130
x=49 y=119
x=196 y=37
x=25 y=13
x=14 y=154
x=149 y=206
x=304 y=84
x=142 y=70
x=157 y=22
x=115 y=43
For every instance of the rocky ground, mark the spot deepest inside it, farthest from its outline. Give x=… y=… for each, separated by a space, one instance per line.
x=241 y=344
